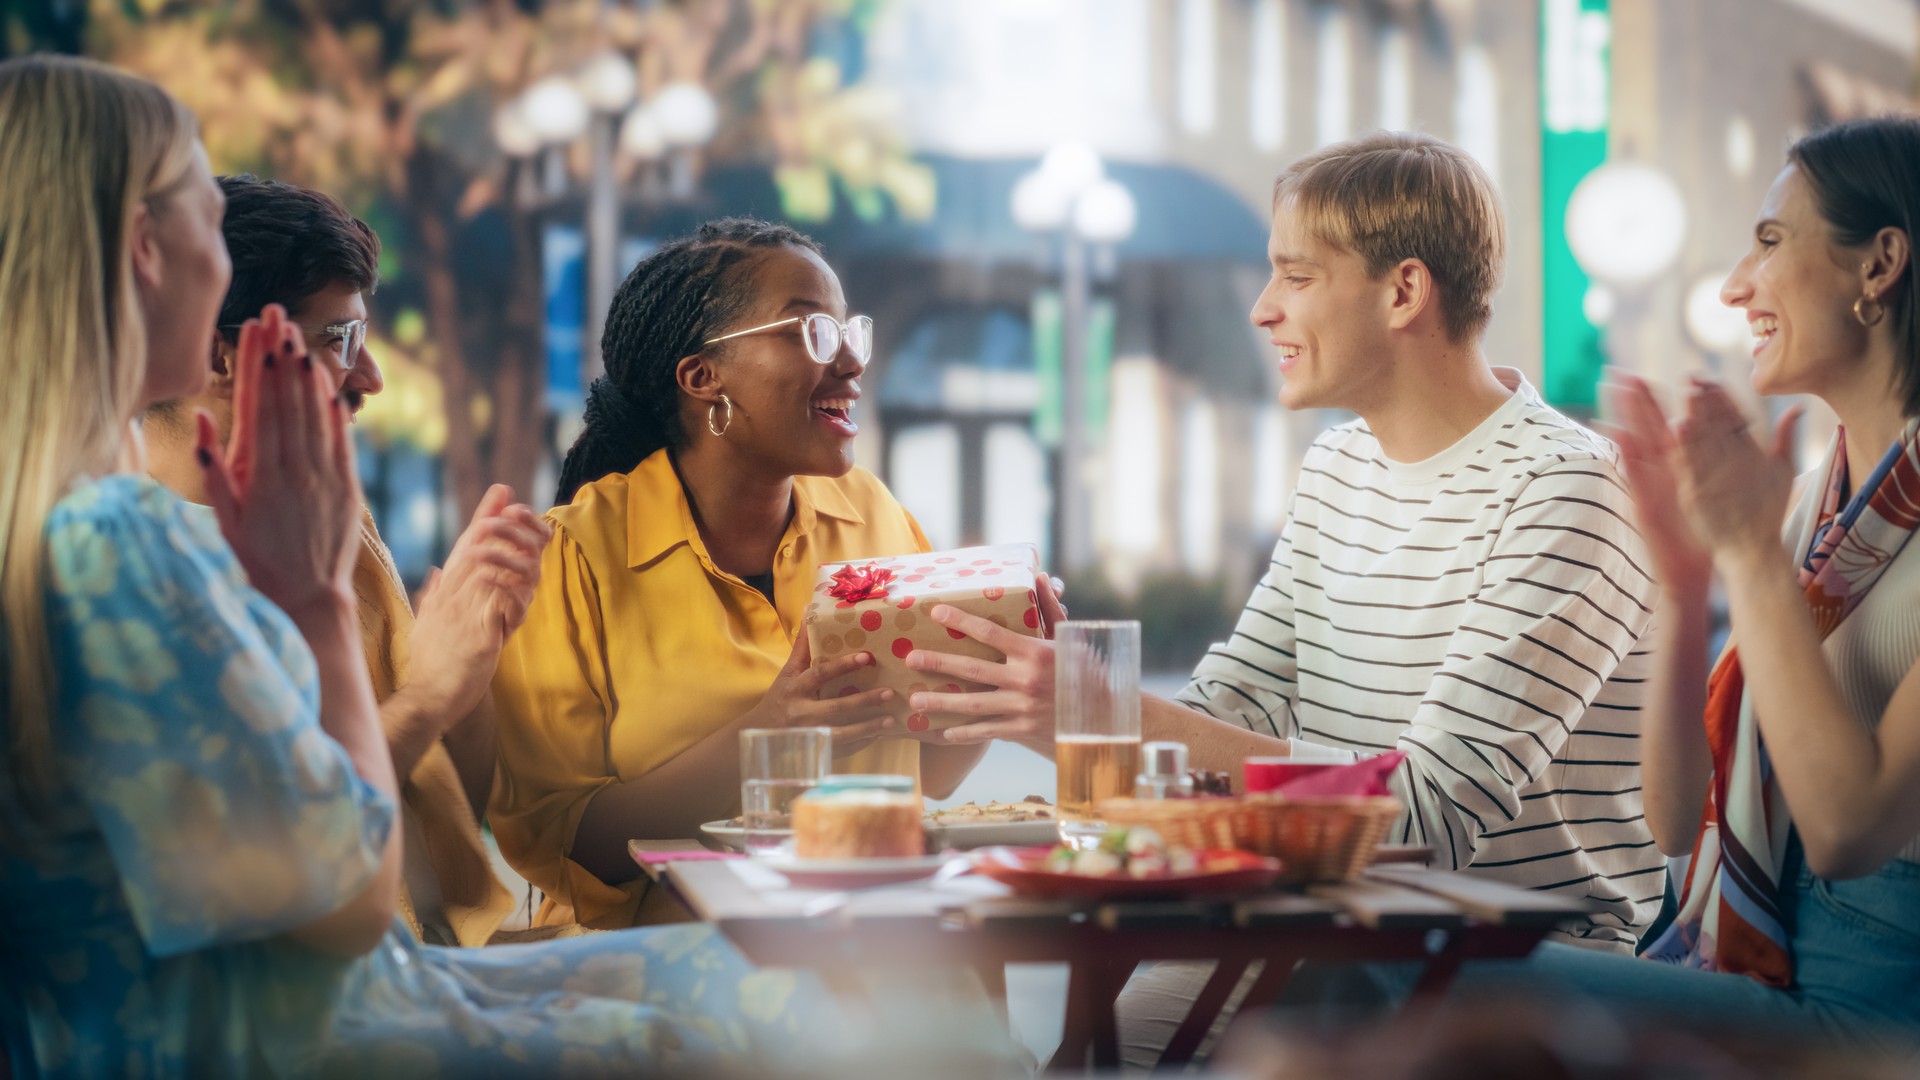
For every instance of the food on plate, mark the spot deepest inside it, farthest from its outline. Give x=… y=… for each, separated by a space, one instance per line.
x=1140 y=854
x=858 y=818
x=1032 y=808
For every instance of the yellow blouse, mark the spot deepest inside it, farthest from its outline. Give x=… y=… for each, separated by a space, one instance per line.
x=637 y=647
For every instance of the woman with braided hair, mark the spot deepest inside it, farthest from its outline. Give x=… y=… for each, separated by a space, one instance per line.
x=714 y=475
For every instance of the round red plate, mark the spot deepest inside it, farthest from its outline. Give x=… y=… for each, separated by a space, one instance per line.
x=1024 y=870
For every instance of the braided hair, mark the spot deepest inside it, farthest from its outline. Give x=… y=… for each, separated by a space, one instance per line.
x=673 y=301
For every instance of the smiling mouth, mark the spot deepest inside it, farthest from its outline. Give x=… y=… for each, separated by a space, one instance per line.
x=837 y=411
x=1763 y=329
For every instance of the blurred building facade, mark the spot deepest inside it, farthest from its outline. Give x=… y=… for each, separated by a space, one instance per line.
x=1187 y=100
x=922 y=119
x=1195 y=105
x=1712 y=92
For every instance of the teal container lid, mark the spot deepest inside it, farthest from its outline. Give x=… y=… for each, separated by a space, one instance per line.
x=864 y=783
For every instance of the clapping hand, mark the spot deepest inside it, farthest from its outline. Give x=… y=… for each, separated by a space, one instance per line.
x=284 y=491
x=1734 y=490
x=1648 y=458
x=470 y=607
x=1701 y=486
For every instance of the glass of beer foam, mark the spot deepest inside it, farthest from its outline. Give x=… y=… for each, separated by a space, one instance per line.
x=1097 y=740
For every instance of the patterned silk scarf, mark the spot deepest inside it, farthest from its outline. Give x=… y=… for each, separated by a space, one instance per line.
x=1729 y=918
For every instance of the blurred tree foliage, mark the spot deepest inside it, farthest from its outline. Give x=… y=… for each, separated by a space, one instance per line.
x=389 y=105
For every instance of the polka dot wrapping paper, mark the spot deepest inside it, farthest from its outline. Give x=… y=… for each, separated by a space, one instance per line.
x=882 y=606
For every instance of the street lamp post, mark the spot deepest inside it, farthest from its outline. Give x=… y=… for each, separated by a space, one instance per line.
x=1625 y=225
x=608 y=84
x=599 y=102
x=1069 y=196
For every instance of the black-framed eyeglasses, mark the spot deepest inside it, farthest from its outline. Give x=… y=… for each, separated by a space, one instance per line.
x=341 y=340
x=823 y=335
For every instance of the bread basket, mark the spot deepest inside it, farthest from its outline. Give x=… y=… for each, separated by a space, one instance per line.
x=1320 y=838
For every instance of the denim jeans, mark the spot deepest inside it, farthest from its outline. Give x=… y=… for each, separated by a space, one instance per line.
x=1856 y=952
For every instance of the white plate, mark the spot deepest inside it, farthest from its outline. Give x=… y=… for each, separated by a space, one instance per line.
x=726 y=836
x=853 y=873
x=979 y=834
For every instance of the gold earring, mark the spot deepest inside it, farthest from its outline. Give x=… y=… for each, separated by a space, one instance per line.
x=720 y=429
x=1861 y=308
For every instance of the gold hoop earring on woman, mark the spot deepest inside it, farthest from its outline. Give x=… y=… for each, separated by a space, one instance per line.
x=1869 y=311
x=722 y=429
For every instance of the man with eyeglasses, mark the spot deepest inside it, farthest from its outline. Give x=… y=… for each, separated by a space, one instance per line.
x=431 y=669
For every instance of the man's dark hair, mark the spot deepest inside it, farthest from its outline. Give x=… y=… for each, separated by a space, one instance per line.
x=665 y=310
x=288 y=243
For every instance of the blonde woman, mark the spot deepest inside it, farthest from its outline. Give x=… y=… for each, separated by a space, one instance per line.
x=200 y=867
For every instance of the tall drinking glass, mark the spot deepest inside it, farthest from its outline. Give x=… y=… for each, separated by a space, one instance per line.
x=777 y=766
x=1097 y=741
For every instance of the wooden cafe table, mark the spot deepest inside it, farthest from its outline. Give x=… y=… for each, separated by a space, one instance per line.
x=1395 y=912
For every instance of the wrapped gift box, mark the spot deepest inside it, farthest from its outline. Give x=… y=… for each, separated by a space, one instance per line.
x=881 y=605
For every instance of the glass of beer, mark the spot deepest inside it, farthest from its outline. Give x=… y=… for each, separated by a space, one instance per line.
x=777 y=766
x=1097 y=741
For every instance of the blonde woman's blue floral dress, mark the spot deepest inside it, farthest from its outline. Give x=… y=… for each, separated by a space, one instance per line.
x=204 y=814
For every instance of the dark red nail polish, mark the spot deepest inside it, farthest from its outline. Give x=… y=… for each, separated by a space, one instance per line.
x=206 y=459
x=306 y=363
x=269 y=359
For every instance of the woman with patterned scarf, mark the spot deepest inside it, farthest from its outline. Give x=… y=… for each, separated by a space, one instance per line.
x=1799 y=797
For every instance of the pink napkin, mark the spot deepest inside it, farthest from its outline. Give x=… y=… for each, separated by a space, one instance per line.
x=1364 y=777
x=686 y=856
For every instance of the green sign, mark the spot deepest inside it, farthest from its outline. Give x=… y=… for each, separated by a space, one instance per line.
x=1049 y=331
x=1575 y=87
x=1049 y=326
x=1101 y=321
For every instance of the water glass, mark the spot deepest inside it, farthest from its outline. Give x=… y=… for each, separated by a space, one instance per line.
x=1097 y=740
x=777 y=766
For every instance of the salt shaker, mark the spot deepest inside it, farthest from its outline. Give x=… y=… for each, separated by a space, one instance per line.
x=1163 y=772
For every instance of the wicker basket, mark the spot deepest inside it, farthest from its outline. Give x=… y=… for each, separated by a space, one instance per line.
x=1319 y=839
x=1189 y=823
x=1330 y=838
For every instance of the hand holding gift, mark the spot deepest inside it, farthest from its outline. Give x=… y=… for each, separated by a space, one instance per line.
x=894 y=608
x=796 y=699
x=1015 y=699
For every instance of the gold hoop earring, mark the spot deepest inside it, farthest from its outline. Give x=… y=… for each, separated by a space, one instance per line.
x=720 y=429
x=1860 y=311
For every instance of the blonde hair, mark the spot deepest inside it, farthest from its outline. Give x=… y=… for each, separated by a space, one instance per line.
x=82 y=147
x=1396 y=195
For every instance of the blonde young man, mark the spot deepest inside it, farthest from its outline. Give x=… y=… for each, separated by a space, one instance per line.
x=1457 y=578
x=301 y=249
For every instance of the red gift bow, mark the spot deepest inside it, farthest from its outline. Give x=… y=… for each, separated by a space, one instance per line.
x=851 y=586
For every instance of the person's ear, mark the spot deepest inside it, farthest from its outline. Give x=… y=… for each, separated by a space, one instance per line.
x=222 y=356
x=145 y=246
x=1889 y=256
x=699 y=380
x=1410 y=292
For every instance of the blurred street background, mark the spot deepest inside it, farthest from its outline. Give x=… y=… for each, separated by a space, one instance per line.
x=1055 y=210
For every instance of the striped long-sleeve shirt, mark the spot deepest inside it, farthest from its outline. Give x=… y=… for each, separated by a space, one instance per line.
x=1483 y=611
